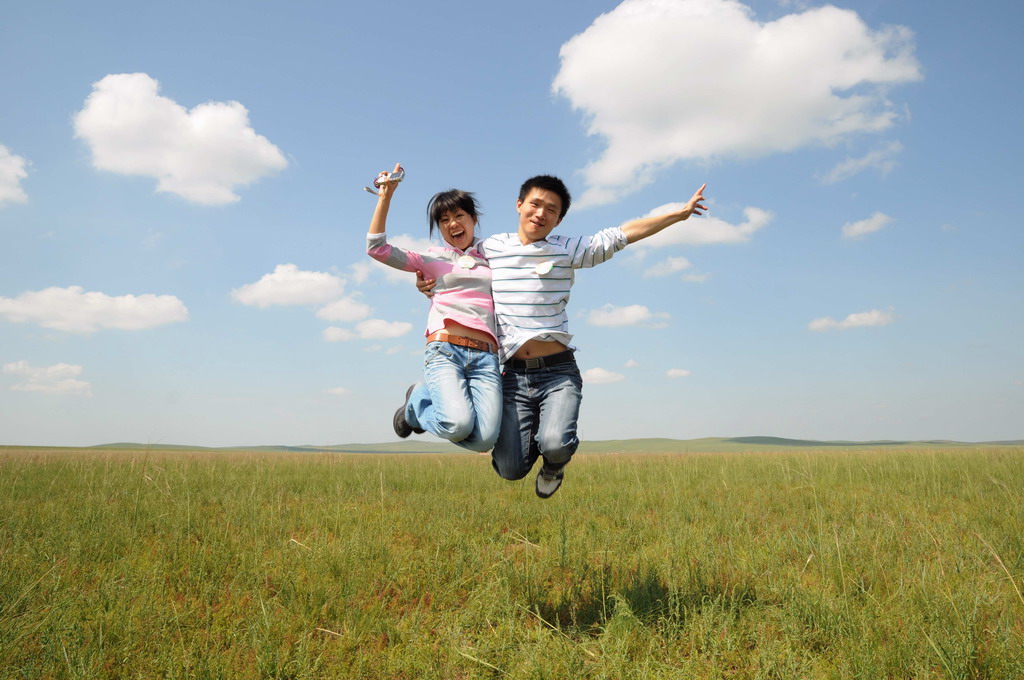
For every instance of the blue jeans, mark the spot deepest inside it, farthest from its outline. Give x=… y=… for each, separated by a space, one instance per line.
x=539 y=419
x=460 y=396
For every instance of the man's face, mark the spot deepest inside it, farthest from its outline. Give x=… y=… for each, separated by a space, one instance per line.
x=539 y=213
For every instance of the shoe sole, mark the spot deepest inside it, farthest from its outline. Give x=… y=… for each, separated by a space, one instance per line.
x=540 y=494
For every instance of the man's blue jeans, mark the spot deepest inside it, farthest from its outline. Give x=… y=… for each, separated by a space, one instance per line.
x=460 y=396
x=539 y=419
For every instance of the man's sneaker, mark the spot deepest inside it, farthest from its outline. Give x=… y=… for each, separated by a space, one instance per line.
x=548 y=481
x=402 y=427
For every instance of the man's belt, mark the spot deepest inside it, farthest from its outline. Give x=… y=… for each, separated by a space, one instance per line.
x=535 y=363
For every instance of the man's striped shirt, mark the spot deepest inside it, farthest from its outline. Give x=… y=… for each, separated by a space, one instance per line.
x=531 y=283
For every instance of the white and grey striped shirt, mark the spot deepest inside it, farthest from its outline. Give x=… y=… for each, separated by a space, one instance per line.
x=531 y=283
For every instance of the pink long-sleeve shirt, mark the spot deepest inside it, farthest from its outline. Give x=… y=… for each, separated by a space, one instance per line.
x=462 y=294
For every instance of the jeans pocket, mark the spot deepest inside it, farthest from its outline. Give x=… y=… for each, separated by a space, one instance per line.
x=569 y=370
x=437 y=351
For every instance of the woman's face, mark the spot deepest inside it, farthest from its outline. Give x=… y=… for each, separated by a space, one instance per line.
x=457 y=228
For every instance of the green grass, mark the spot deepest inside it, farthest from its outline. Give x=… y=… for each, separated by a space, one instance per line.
x=818 y=563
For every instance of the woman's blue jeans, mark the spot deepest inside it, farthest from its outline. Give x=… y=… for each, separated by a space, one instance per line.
x=460 y=396
x=541 y=409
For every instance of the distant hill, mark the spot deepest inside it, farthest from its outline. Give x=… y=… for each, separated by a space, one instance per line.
x=642 y=445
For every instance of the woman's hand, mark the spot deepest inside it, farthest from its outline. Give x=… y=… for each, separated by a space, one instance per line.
x=387 y=189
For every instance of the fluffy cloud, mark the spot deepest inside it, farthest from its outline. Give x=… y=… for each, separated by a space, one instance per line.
x=73 y=310
x=377 y=329
x=12 y=171
x=630 y=315
x=289 y=285
x=335 y=334
x=202 y=154
x=702 y=231
x=56 y=379
x=853 y=230
x=345 y=309
x=663 y=81
x=600 y=376
x=875 y=317
x=678 y=373
x=667 y=267
x=361 y=271
x=371 y=329
x=632 y=363
x=882 y=159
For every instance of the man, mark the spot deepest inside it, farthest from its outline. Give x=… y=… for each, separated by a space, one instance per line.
x=533 y=272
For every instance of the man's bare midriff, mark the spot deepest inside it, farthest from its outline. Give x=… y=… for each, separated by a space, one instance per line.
x=538 y=348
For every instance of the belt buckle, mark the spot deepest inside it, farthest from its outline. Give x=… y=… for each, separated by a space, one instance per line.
x=534 y=362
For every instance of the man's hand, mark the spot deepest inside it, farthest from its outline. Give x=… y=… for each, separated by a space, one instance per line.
x=425 y=286
x=694 y=205
x=636 y=230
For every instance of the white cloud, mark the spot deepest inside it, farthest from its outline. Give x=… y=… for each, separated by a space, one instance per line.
x=601 y=376
x=345 y=309
x=853 y=230
x=56 y=379
x=667 y=267
x=630 y=315
x=335 y=334
x=700 y=231
x=696 y=278
x=631 y=363
x=361 y=271
x=202 y=154
x=875 y=317
x=289 y=285
x=371 y=329
x=338 y=391
x=678 y=373
x=75 y=311
x=882 y=159
x=666 y=81
x=377 y=329
x=12 y=171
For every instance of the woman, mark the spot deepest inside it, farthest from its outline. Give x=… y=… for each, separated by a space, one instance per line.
x=460 y=396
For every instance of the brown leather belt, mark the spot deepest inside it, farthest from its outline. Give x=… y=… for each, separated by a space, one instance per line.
x=442 y=336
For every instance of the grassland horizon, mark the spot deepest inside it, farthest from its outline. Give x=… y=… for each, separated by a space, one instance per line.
x=829 y=562
x=428 y=444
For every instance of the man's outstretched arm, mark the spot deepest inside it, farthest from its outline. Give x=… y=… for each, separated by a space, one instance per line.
x=648 y=226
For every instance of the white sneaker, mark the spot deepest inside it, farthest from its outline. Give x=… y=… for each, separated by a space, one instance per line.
x=548 y=481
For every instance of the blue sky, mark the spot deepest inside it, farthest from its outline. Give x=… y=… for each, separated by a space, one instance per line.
x=183 y=224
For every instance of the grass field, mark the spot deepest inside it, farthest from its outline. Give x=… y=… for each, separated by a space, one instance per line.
x=786 y=564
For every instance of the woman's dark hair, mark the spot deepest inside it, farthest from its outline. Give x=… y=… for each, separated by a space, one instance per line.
x=451 y=201
x=547 y=183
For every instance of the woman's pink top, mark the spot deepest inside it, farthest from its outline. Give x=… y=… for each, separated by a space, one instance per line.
x=462 y=293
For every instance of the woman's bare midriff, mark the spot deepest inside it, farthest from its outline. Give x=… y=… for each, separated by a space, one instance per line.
x=455 y=328
x=538 y=348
